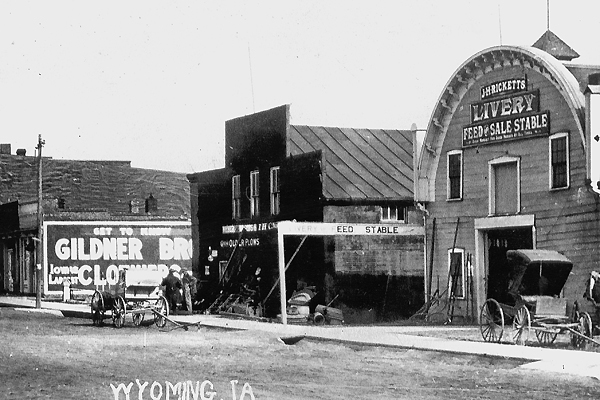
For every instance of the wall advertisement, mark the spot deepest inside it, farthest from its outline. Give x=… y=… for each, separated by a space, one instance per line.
x=90 y=254
x=514 y=116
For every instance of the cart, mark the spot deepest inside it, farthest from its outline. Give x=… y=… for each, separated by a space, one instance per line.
x=533 y=302
x=137 y=293
x=592 y=297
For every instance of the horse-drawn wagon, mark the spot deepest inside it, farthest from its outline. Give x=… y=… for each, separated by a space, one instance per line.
x=137 y=293
x=533 y=302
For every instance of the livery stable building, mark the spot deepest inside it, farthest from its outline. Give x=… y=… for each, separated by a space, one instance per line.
x=508 y=163
x=326 y=208
x=96 y=216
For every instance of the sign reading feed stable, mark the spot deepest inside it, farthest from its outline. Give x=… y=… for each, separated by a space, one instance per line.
x=90 y=254
x=507 y=111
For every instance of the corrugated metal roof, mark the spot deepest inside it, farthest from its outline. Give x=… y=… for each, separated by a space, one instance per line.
x=369 y=164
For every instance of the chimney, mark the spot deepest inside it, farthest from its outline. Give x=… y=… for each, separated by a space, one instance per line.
x=5 y=148
x=21 y=152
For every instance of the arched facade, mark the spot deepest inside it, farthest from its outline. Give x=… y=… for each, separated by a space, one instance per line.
x=504 y=166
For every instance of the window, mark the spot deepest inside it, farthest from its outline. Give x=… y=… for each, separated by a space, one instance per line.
x=236 y=198
x=455 y=181
x=393 y=213
x=254 y=194
x=222 y=269
x=559 y=161
x=456 y=272
x=504 y=186
x=274 y=190
x=151 y=204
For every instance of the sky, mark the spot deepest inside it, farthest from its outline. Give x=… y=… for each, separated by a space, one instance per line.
x=154 y=82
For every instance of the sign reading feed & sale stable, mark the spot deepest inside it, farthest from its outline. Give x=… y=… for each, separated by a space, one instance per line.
x=507 y=111
x=90 y=254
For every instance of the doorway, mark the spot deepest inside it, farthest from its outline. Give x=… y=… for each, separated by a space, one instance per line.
x=498 y=242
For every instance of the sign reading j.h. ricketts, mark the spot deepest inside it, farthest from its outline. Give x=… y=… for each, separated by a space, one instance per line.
x=504 y=87
x=507 y=117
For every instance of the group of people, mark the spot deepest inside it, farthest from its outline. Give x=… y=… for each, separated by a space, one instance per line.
x=180 y=289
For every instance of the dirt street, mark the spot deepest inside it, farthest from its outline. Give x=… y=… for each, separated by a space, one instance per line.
x=45 y=356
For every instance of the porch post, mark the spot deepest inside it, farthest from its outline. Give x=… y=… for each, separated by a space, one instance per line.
x=282 y=288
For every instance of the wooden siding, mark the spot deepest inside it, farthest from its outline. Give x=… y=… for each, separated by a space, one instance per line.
x=566 y=220
x=377 y=255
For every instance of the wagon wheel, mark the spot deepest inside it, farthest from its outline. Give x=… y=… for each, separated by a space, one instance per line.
x=491 y=321
x=546 y=336
x=585 y=328
x=588 y=327
x=161 y=309
x=97 y=306
x=119 y=310
x=521 y=326
x=138 y=318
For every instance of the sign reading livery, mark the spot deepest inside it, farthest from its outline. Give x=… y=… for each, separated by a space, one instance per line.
x=91 y=254
x=506 y=118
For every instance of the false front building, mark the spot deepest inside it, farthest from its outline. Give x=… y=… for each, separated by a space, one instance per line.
x=507 y=164
x=332 y=208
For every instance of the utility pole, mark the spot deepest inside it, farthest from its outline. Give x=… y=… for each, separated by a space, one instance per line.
x=40 y=247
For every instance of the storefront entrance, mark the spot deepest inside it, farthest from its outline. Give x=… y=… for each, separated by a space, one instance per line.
x=498 y=242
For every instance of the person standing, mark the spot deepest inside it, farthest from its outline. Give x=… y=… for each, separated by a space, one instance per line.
x=189 y=289
x=173 y=286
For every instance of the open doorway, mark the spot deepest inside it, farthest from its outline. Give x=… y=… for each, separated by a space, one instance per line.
x=498 y=242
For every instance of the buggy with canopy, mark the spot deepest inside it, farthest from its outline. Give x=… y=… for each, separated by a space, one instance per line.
x=532 y=301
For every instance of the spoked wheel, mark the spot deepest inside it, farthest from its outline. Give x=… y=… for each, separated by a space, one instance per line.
x=584 y=328
x=97 y=306
x=161 y=311
x=119 y=310
x=138 y=318
x=546 y=336
x=521 y=326
x=492 y=321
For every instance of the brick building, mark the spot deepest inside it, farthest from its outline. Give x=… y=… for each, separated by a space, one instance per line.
x=277 y=172
x=78 y=198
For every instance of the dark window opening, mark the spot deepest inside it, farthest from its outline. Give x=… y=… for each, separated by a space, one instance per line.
x=151 y=204
x=559 y=162
x=454 y=176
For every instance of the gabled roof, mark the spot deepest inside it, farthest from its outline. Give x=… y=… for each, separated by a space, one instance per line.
x=554 y=46
x=359 y=164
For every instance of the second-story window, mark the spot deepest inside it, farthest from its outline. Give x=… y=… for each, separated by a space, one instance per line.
x=455 y=181
x=393 y=213
x=254 y=194
x=559 y=161
x=274 y=190
x=236 y=197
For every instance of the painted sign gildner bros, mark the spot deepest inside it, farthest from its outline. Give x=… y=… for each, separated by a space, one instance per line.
x=506 y=111
x=90 y=255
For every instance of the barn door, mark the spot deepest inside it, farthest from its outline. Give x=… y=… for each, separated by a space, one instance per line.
x=499 y=242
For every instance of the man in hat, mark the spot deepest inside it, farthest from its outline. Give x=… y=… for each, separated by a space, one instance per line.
x=173 y=286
